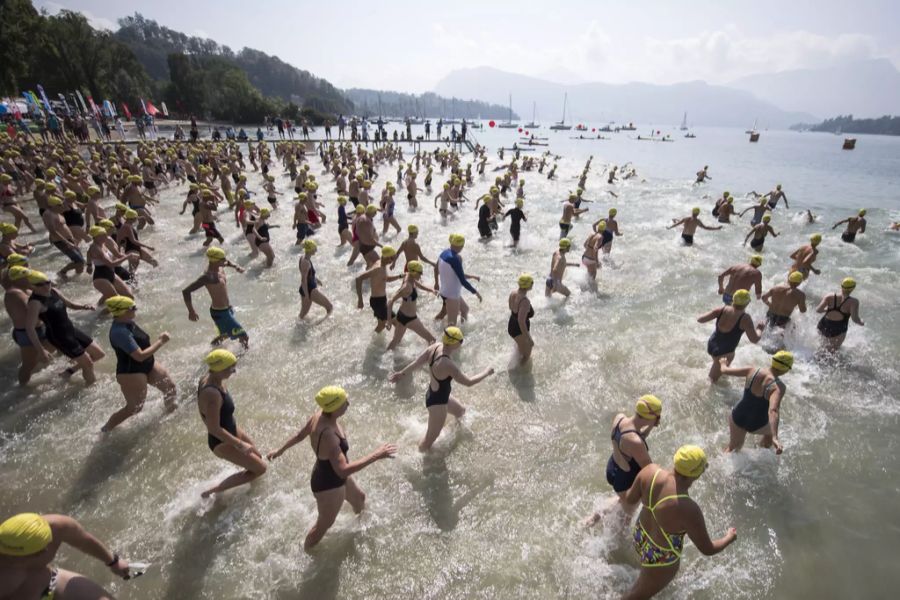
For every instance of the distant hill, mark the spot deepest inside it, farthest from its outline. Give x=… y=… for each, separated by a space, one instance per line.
x=427 y=105
x=633 y=102
x=885 y=125
x=152 y=43
x=869 y=87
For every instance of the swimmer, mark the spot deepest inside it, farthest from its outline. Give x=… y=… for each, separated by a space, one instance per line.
x=220 y=309
x=690 y=225
x=411 y=251
x=48 y=305
x=835 y=318
x=806 y=255
x=225 y=439
x=855 y=225
x=667 y=508
x=592 y=244
x=520 y=313
x=759 y=211
x=29 y=544
x=406 y=317
x=757 y=412
x=630 y=452
x=759 y=233
x=442 y=372
x=343 y=224
x=742 y=276
x=612 y=229
x=452 y=279
x=378 y=279
x=261 y=238
x=731 y=323
x=309 y=284
x=61 y=237
x=774 y=196
x=136 y=365
x=558 y=266
x=31 y=343
x=569 y=212
x=331 y=481
x=702 y=175
x=726 y=209
x=783 y=299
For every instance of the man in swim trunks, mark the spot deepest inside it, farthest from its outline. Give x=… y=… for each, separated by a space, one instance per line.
x=368 y=237
x=855 y=225
x=806 y=255
x=558 y=266
x=378 y=279
x=742 y=276
x=220 y=309
x=783 y=299
x=15 y=300
x=759 y=232
x=29 y=544
x=569 y=211
x=612 y=229
x=774 y=196
x=702 y=175
x=690 y=225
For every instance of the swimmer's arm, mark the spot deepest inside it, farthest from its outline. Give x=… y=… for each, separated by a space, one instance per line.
x=345 y=469
x=746 y=210
x=783 y=195
x=32 y=315
x=633 y=495
x=772 y=231
x=863 y=228
x=293 y=441
x=638 y=451
x=72 y=533
x=767 y=297
x=835 y=226
x=854 y=314
x=420 y=360
x=304 y=269
x=758 y=285
x=425 y=288
x=735 y=371
x=774 y=416
x=749 y=233
x=467 y=381
x=72 y=305
x=359 y=282
x=700 y=223
x=747 y=325
x=823 y=305
x=705 y=317
x=186 y=294
x=696 y=530
x=721 y=279
x=676 y=224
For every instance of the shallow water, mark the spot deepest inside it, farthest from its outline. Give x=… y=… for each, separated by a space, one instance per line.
x=495 y=511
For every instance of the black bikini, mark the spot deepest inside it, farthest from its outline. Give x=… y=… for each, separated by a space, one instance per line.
x=405 y=319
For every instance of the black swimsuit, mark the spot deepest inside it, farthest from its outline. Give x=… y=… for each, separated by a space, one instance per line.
x=442 y=395
x=512 y=327
x=226 y=416
x=310 y=279
x=830 y=328
x=751 y=413
x=125 y=364
x=323 y=476
x=405 y=319
x=724 y=342
x=68 y=339
x=617 y=477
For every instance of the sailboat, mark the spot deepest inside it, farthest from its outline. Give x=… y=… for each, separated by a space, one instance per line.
x=509 y=124
x=754 y=134
x=561 y=126
x=753 y=129
x=684 y=126
x=533 y=124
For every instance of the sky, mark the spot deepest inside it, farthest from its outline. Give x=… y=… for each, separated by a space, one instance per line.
x=409 y=46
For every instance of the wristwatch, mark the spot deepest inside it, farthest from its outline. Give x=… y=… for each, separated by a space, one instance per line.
x=114 y=560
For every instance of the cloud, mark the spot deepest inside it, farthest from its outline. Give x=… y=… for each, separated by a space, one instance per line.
x=94 y=21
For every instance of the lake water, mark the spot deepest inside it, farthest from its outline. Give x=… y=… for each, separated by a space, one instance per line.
x=495 y=511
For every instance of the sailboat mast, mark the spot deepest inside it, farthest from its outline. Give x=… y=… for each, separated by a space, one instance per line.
x=565 y=100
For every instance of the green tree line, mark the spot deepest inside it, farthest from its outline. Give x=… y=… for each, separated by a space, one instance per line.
x=427 y=105
x=886 y=125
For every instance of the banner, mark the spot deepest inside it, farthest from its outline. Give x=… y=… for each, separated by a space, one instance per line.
x=81 y=98
x=143 y=106
x=66 y=104
x=94 y=108
x=165 y=109
x=44 y=97
x=126 y=111
x=109 y=109
x=150 y=109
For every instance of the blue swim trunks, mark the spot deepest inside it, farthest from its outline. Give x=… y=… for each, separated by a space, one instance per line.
x=726 y=298
x=226 y=323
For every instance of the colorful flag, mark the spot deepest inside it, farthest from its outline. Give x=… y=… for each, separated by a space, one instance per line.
x=165 y=109
x=44 y=97
x=150 y=109
x=66 y=104
x=126 y=111
x=143 y=106
x=81 y=98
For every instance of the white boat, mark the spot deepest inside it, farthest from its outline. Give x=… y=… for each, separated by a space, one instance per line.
x=509 y=124
x=684 y=126
x=753 y=129
x=561 y=126
x=533 y=124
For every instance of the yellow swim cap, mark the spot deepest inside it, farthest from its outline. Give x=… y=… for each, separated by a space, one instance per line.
x=93 y=190
x=766 y=218
x=37 y=277
x=572 y=196
x=360 y=209
x=613 y=212
x=8 y=228
x=601 y=225
x=783 y=361
x=330 y=398
x=16 y=259
x=848 y=283
x=106 y=224
x=695 y=211
x=96 y=231
x=452 y=336
x=520 y=203
x=54 y=201
x=648 y=407
x=119 y=305
x=725 y=194
x=526 y=281
x=565 y=244
x=342 y=200
x=457 y=239
x=69 y=194
x=17 y=272
x=740 y=298
x=862 y=212
x=24 y=534
x=412 y=229
x=5 y=178
x=219 y=360
x=371 y=209
x=690 y=461
x=309 y=245
x=265 y=212
x=215 y=254
x=795 y=277
x=756 y=260
x=415 y=266
x=815 y=239
x=388 y=251
x=131 y=215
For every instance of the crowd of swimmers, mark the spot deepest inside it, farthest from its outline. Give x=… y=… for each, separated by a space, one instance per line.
x=95 y=201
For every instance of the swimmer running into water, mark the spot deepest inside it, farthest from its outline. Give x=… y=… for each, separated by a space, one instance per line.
x=731 y=323
x=690 y=225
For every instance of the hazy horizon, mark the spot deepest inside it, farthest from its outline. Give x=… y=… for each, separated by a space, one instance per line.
x=410 y=47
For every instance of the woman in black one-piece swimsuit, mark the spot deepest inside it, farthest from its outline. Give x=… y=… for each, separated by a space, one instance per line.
x=330 y=482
